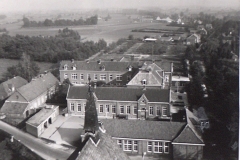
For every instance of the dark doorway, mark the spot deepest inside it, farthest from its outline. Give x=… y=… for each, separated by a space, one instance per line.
x=50 y=120
x=27 y=113
x=46 y=125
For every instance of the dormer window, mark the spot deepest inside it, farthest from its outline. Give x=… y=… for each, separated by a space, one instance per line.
x=102 y=68
x=144 y=82
x=74 y=67
x=130 y=68
x=65 y=67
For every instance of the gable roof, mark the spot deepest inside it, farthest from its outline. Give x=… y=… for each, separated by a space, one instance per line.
x=36 y=87
x=95 y=66
x=139 y=129
x=120 y=93
x=14 y=108
x=188 y=136
x=106 y=149
x=7 y=86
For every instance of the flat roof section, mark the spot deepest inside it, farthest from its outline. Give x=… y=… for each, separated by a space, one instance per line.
x=41 y=116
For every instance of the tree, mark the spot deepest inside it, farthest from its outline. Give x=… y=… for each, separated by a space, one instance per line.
x=26 y=69
x=130 y=37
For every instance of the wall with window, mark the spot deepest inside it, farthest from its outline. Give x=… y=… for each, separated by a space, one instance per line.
x=160 y=110
x=76 y=107
x=167 y=80
x=187 y=151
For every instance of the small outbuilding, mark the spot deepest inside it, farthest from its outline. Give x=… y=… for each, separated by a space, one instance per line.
x=40 y=121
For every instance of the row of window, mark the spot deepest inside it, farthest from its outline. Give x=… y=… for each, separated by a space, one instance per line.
x=152 y=146
x=79 y=107
x=103 y=77
x=128 y=145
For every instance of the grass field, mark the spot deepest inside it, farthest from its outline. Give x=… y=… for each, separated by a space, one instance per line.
x=5 y=63
x=117 y=27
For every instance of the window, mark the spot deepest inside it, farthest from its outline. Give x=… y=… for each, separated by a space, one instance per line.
x=113 y=109
x=166 y=147
x=158 y=147
x=118 y=77
x=79 y=107
x=151 y=110
x=158 y=111
x=166 y=78
x=135 y=146
x=101 y=108
x=65 y=75
x=88 y=76
x=95 y=77
x=65 y=67
x=74 y=75
x=128 y=110
x=72 y=106
x=107 y=108
x=127 y=145
x=119 y=142
x=122 y=109
x=144 y=82
x=103 y=77
x=164 y=111
x=81 y=76
x=110 y=77
x=149 y=146
x=135 y=110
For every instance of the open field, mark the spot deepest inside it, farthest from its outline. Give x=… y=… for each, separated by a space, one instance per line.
x=117 y=27
x=5 y=63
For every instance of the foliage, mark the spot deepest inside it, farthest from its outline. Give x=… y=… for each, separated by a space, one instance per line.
x=65 y=45
x=60 y=22
x=26 y=69
x=157 y=48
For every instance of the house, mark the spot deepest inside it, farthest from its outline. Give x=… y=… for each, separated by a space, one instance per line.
x=165 y=39
x=8 y=87
x=209 y=26
x=178 y=82
x=202 y=31
x=96 y=143
x=122 y=102
x=227 y=39
x=194 y=38
x=152 y=75
x=137 y=137
x=41 y=120
x=115 y=73
x=202 y=118
x=28 y=98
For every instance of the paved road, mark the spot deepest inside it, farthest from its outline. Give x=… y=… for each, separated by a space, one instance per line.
x=37 y=145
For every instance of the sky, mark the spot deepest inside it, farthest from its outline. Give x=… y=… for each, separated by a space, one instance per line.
x=28 y=5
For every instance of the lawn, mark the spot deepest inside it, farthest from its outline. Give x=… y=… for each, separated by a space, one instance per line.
x=5 y=63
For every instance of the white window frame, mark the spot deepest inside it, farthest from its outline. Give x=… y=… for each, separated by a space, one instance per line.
x=65 y=75
x=110 y=77
x=150 y=110
x=158 y=147
x=118 y=77
x=79 y=107
x=128 y=109
x=100 y=108
x=166 y=147
x=71 y=106
x=121 y=109
x=166 y=78
x=113 y=109
x=95 y=77
x=158 y=113
x=107 y=108
x=82 y=76
x=65 y=67
x=164 y=109
x=119 y=142
x=127 y=145
x=144 y=81
x=74 y=76
x=135 y=146
x=135 y=110
x=103 y=77
x=149 y=146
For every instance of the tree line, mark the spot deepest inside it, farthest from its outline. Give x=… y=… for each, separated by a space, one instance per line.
x=65 y=45
x=60 y=22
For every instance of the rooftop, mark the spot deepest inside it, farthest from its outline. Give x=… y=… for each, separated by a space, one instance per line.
x=142 y=129
x=14 y=108
x=41 y=116
x=120 y=93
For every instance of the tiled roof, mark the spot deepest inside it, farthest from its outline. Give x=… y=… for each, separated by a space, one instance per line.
x=106 y=149
x=14 y=108
x=5 y=87
x=120 y=93
x=95 y=66
x=41 y=116
x=36 y=87
x=142 y=129
x=188 y=136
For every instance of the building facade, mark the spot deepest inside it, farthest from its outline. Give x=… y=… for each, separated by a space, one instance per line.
x=122 y=102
